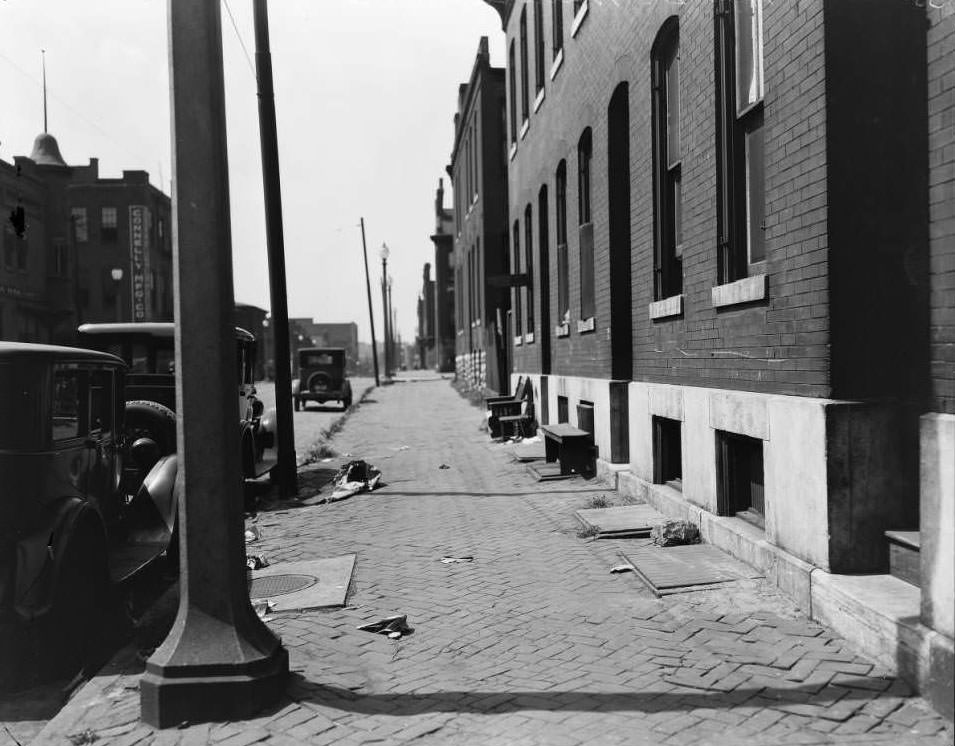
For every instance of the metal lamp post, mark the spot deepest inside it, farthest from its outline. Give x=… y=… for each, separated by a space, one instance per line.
x=220 y=661
x=117 y=274
x=384 y=253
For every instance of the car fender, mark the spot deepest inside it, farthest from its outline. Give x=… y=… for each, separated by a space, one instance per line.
x=157 y=501
x=38 y=554
x=268 y=427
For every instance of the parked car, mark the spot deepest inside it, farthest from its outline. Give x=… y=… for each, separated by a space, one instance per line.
x=148 y=349
x=82 y=502
x=321 y=377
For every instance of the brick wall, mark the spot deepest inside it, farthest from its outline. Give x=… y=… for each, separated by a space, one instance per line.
x=941 y=133
x=780 y=345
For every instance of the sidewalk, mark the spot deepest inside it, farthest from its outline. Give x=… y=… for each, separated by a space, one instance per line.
x=534 y=642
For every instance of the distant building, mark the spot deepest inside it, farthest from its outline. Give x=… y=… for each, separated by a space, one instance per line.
x=331 y=335
x=90 y=249
x=37 y=291
x=120 y=228
x=253 y=319
x=479 y=174
x=443 y=240
x=425 y=338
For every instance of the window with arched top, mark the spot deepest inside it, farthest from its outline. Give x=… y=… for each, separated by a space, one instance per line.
x=667 y=162
x=563 y=269
x=741 y=198
x=585 y=227
x=529 y=266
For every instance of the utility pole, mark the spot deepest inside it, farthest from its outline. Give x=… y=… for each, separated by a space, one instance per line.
x=220 y=661
x=275 y=242
x=371 y=314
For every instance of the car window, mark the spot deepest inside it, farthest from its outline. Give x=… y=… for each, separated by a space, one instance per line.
x=101 y=401
x=21 y=403
x=66 y=403
x=314 y=359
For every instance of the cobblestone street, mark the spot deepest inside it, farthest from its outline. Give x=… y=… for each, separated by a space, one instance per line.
x=534 y=641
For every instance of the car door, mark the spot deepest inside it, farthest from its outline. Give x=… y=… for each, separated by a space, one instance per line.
x=71 y=453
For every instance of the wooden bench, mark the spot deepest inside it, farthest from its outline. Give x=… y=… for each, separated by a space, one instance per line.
x=506 y=412
x=571 y=446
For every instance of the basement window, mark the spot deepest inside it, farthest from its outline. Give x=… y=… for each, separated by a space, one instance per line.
x=585 y=416
x=667 y=452
x=739 y=477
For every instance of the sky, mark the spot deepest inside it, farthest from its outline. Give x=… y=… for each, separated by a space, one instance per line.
x=365 y=95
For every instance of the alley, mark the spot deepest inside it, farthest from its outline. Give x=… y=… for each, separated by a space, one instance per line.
x=534 y=642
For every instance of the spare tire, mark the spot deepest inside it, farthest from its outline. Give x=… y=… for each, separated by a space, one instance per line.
x=147 y=419
x=319 y=382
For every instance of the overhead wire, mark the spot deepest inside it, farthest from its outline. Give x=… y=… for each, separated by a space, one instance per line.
x=235 y=27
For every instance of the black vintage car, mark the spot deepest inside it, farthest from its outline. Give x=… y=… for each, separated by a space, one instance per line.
x=148 y=349
x=321 y=377
x=82 y=504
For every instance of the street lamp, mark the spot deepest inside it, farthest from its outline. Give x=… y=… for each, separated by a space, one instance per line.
x=117 y=274
x=384 y=253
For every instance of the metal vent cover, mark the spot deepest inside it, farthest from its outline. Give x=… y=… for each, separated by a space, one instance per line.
x=268 y=586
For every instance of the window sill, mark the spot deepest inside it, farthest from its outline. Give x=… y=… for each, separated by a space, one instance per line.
x=538 y=100
x=512 y=152
x=579 y=18
x=529 y=338
x=746 y=290
x=662 y=309
x=562 y=330
x=558 y=61
x=586 y=325
x=524 y=127
x=518 y=340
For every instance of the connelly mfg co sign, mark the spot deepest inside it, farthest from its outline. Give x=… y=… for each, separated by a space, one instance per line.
x=139 y=259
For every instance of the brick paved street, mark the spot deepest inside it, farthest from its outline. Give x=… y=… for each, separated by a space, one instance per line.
x=534 y=642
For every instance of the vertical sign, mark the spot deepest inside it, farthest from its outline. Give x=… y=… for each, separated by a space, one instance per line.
x=139 y=260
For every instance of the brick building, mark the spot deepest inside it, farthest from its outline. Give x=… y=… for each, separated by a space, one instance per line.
x=121 y=234
x=937 y=431
x=478 y=173
x=725 y=266
x=37 y=300
x=425 y=333
x=93 y=249
x=443 y=240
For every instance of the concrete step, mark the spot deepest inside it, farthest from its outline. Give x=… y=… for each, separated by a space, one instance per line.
x=904 y=555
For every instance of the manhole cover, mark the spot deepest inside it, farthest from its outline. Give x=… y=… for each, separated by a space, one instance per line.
x=278 y=585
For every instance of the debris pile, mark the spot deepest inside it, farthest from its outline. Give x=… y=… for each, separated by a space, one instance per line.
x=675 y=533
x=352 y=478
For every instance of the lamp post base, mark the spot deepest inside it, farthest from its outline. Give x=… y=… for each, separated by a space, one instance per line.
x=170 y=696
